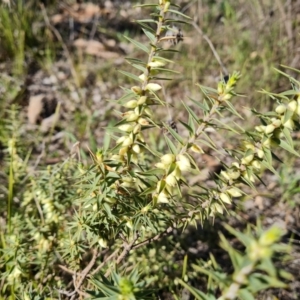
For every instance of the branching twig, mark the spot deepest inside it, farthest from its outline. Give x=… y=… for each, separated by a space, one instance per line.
x=126 y=249
x=82 y=276
x=84 y=273
x=154 y=238
x=105 y=261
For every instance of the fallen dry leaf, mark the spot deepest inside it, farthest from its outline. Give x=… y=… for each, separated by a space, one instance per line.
x=35 y=108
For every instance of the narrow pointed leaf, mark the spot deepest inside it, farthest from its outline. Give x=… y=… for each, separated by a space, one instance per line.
x=150 y=35
x=179 y=13
x=171 y=146
x=130 y=75
x=175 y=135
x=191 y=113
x=138 y=44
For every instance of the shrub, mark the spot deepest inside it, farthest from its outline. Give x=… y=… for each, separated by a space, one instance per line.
x=76 y=230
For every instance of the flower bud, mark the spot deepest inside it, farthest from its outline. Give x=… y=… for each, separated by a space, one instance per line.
x=154 y=87
x=102 y=242
x=131 y=104
x=260 y=128
x=131 y=116
x=197 y=149
x=136 y=148
x=276 y=123
x=225 y=175
x=256 y=164
x=167 y=159
x=248 y=177
x=129 y=224
x=271 y=236
x=160 y=166
x=136 y=129
x=127 y=142
x=136 y=89
x=123 y=151
x=162 y=198
x=269 y=129
x=220 y=88
x=126 y=127
x=177 y=173
x=267 y=143
x=218 y=208
x=260 y=153
x=249 y=145
x=280 y=109
x=167 y=5
x=148 y=112
x=225 y=198
x=247 y=159
x=289 y=124
x=235 y=164
x=143 y=122
x=183 y=163
x=292 y=105
x=171 y=180
x=156 y=64
x=121 y=139
x=143 y=77
x=142 y=100
x=234 y=192
x=234 y=174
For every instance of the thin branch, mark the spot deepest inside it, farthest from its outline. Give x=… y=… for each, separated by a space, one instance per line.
x=82 y=276
x=154 y=238
x=67 y=270
x=85 y=272
x=127 y=247
x=58 y=36
x=105 y=261
x=213 y=49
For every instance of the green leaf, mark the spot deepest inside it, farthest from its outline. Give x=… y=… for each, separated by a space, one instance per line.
x=139 y=67
x=161 y=78
x=267 y=266
x=163 y=59
x=175 y=135
x=288 y=148
x=165 y=70
x=176 y=21
x=203 y=106
x=287 y=115
x=190 y=130
x=135 y=60
x=231 y=108
x=191 y=113
x=287 y=134
x=147 y=21
x=274 y=95
x=229 y=128
x=138 y=44
x=145 y=26
x=244 y=238
x=245 y=295
x=171 y=146
x=145 y=5
x=150 y=36
x=132 y=76
x=196 y=293
x=179 y=13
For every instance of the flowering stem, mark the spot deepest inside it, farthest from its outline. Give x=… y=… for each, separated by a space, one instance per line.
x=154 y=46
x=200 y=128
